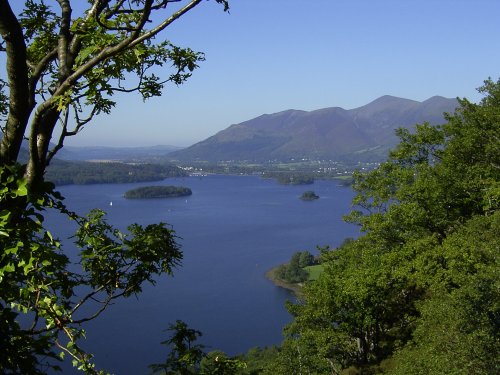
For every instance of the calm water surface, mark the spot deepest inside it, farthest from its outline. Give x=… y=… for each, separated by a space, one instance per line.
x=232 y=229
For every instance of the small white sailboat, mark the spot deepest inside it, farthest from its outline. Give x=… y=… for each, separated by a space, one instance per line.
x=111 y=203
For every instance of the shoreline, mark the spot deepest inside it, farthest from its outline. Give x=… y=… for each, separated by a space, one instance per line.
x=296 y=289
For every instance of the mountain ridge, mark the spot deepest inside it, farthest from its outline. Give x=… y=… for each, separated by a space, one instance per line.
x=364 y=133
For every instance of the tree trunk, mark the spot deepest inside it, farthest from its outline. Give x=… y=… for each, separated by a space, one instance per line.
x=40 y=137
x=20 y=104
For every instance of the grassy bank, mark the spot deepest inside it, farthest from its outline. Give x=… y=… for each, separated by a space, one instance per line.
x=314 y=271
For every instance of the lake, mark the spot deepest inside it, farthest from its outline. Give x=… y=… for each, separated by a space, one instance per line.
x=232 y=230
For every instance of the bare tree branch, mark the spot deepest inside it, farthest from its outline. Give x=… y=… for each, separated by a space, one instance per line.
x=60 y=142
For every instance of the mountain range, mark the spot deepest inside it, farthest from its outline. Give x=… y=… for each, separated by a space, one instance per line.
x=361 y=134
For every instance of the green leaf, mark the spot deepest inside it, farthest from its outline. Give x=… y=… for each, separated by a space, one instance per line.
x=86 y=52
x=22 y=189
x=9 y=267
x=5 y=214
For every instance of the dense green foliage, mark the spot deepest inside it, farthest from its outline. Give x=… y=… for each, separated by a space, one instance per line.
x=257 y=359
x=157 y=192
x=418 y=293
x=84 y=173
x=309 y=196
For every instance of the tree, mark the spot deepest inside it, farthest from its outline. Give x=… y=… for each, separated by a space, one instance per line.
x=188 y=358
x=185 y=356
x=306 y=259
x=62 y=68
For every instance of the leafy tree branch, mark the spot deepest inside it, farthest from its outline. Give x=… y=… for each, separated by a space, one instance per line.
x=62 y=69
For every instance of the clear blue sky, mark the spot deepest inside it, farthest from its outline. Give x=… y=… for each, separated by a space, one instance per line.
x=271 y=55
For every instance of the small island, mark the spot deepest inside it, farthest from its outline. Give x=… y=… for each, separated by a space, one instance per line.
x=309 y=196
x=148 y=192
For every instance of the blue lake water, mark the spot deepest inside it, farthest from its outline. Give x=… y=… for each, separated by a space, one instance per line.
x=232 y=230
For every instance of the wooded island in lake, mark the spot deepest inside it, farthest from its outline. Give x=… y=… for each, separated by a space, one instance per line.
x=309 y=196
x=147 y=192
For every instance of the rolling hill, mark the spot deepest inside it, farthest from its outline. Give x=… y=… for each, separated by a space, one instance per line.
x=361 y=134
